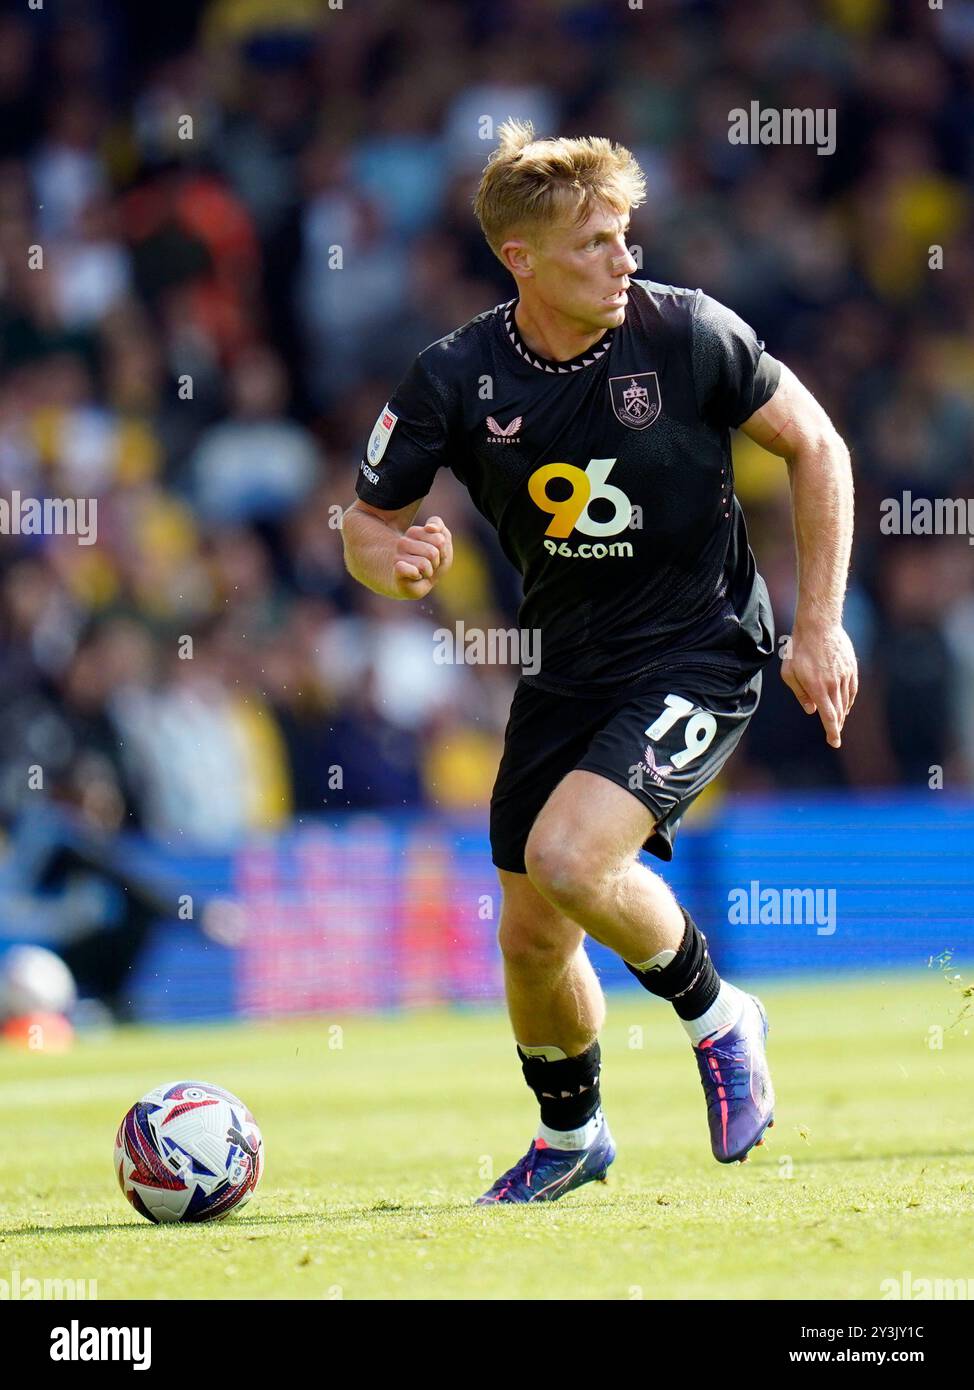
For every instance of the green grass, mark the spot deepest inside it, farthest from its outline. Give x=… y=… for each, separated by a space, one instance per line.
x=375 y=1150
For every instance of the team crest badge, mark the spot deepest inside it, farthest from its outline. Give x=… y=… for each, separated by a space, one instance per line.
x=636 y=399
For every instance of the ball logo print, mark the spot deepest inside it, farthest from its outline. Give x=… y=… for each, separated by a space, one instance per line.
x=188 y=1151
x=588 y=485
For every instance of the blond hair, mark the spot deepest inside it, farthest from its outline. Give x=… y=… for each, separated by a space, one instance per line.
x=529 y=183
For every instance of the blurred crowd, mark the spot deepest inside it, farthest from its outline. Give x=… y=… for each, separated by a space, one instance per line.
x=251 y=214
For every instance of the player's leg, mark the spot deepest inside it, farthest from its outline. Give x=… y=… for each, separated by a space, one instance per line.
x=556 y=1008
x=553 y=996
x=581 y=855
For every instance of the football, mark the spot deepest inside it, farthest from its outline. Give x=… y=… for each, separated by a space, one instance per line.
x=188 y=1151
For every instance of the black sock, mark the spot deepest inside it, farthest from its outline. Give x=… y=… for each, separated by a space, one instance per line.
x=567 y=1090
x=689 y=982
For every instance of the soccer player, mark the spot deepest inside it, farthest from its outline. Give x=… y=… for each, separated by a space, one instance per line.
x=590 y=420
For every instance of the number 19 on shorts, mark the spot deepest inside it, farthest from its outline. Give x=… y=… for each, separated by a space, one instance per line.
x=698 y=733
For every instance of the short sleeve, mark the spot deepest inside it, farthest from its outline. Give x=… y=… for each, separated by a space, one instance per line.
x=407 y=445
x=733 y=376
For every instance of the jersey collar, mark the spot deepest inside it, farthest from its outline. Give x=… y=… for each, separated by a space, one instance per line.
x=545 y=364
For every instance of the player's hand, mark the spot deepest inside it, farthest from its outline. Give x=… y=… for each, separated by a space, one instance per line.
x=423 y=555
x=823 y=675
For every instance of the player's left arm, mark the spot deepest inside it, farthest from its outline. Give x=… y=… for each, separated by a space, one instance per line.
x=821 y=670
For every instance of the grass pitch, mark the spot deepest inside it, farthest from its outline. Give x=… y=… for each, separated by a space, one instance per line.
x=380 y=1133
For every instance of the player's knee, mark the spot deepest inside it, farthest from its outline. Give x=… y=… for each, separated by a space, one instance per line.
x=531 y=945
x=561 y=871
x=529 y=942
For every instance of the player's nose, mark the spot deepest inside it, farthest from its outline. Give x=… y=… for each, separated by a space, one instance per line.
x=624 y=263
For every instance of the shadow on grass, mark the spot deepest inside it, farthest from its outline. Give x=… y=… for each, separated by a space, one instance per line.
x=369 y=1211
x=324 y=1217
x=247 y=1223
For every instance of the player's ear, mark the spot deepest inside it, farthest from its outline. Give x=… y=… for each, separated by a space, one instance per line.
x=517 y=257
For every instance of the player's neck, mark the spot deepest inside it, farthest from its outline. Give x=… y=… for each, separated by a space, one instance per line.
x=552 y=335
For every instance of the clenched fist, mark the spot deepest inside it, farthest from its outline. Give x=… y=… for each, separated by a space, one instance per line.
x=423 y=555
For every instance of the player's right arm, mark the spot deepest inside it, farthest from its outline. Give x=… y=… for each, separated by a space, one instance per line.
x=390 y=556
x=410 y=442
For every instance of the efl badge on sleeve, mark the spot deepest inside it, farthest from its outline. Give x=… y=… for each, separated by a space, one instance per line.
x=636 y=399
x=384 y=426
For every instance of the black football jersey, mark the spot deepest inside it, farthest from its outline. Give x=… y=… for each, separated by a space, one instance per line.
x=608 y=479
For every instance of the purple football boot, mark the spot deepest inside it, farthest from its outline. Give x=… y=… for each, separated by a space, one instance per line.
x=544 y=1174
x=737 y=1084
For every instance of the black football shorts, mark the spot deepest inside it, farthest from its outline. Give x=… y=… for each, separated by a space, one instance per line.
x=664 y=745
